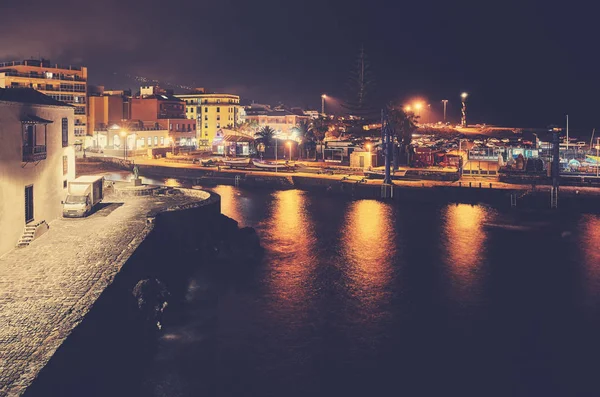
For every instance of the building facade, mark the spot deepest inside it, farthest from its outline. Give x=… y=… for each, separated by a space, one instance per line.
x=211 y=113
x=65 y=83
x=165 y=112
x=37 y=160
x=281 y=120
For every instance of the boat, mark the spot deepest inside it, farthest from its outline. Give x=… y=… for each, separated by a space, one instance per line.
x=271 y=166
x=244 y=162
x=208 y=163
x=380 y=174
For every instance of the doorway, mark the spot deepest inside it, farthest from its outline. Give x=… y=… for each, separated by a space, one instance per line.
x=28 y=203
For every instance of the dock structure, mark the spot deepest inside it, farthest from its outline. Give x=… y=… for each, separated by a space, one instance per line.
x=48 y=288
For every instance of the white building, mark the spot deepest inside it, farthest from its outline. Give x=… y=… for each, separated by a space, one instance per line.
x=37 y=160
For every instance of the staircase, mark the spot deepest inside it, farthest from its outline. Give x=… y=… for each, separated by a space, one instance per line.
x=31 y=232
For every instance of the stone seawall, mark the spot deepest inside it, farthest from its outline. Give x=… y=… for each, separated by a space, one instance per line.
x=49 y=288
x=492 y=193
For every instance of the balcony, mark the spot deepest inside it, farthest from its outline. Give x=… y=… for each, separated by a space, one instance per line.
x=34 y=153
x=36 y=75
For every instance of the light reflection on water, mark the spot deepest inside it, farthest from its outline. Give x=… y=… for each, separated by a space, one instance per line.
x=590 y=236
x=369 y=249
x=464 y=241
x=290 y=239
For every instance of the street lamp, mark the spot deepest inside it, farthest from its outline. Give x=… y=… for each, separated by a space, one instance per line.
x=289 y=144
x=463 y=119
x=323 y=104
x=124 y=136
x=407 y=108
x=418 y=107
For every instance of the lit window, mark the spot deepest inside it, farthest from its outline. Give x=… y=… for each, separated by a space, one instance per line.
x=155 y=141
x=149 y=141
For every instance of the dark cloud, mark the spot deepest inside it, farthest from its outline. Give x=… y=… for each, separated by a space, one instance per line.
x=523 y=63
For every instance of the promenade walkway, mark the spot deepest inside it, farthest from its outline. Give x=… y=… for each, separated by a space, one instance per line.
x=48 y=287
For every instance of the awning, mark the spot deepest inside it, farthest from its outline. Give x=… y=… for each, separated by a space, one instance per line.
x=237 y=138
x=33 y=119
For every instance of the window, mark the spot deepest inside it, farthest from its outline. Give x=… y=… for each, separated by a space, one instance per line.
x=218 y=117
x=205 y=125
x=218 y=125
x=218 y=110
x=206 y=110
x=218 y=101
x=155 y=141
x=149 y=141
x=205 y=117
x=65 y=132
x=65 y=184
x=65 y=165
x=171 y=127
x=162 y=141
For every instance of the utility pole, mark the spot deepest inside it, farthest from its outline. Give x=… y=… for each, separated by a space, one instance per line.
x=567 y=155
x=445 y=102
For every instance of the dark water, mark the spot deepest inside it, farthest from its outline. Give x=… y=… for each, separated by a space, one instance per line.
x=359 y=298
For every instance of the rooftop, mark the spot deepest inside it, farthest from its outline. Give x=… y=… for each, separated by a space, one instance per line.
x=28 y=95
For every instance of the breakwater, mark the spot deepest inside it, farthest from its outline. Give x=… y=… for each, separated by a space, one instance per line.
x=93 y=286
x=496 y=193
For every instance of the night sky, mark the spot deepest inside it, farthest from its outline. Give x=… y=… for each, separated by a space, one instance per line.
x=523 y=64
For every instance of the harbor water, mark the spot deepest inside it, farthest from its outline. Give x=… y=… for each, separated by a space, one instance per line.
x=365 y=297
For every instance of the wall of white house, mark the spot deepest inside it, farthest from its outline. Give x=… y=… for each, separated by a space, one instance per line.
x=46 y=177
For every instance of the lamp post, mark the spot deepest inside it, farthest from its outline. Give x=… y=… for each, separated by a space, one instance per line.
x=289 y=144
x=124 y=136
x=445 y=102
x=463 y=119
x=323 y=104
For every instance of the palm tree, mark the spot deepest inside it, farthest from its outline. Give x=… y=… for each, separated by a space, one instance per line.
x=305 y=132
x=265 y=136
x=404 y=125
x=319 y=128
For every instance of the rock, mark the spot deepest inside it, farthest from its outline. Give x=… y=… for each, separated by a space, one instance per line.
x=152 y=299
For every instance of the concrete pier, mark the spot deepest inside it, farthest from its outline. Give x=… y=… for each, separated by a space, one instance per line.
x=48 y=288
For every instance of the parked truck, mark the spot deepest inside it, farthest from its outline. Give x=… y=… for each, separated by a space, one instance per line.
x=84 y=193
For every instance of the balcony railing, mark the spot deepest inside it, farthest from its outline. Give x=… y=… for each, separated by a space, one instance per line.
x=36 y=75
x=34 y=153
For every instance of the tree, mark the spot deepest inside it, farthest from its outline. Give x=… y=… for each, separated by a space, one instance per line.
x=360 y=85
x=404 y=124
x=305 y=132
x=265 y=136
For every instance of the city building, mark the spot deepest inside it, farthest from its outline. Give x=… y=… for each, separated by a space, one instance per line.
x=37 y=160
x=65 y=83
x=233 y=143
x=313 y=114
x=212 y=112
x=158 y=109
x=129 y=139
x=280 y=119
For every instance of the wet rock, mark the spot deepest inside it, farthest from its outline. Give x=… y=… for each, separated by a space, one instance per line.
x=152 y=299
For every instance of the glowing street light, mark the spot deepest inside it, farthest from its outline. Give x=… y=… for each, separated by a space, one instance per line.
x=369 y=147
x=323 y=103
x=123 y=134
x=463 y=118
x=407 y=108
x=418 y=105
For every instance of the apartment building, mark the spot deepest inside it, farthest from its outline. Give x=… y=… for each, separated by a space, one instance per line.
x=211 y=113
x=64 y=83
x=37 y=160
